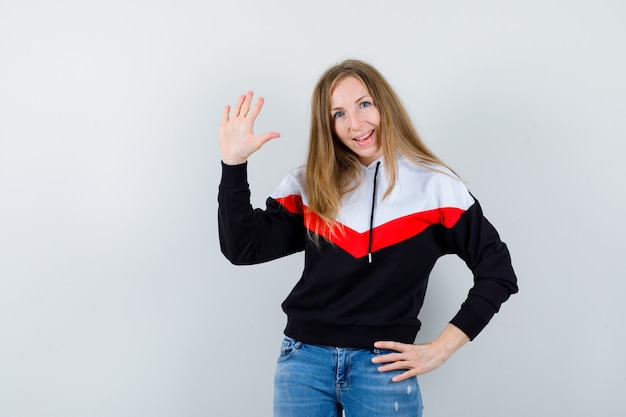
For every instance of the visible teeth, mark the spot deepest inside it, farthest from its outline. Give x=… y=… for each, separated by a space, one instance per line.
x=364 y=136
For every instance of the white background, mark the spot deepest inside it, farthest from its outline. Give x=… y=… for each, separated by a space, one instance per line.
x=114 y=297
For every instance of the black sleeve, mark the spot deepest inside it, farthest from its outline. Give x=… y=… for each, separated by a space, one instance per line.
x=250 y=236
x=477 y=242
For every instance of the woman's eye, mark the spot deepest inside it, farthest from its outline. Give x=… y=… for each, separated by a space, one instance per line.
x=366 y=104
x=337 y=115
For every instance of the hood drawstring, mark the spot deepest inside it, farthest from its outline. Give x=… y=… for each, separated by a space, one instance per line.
x=369 y=246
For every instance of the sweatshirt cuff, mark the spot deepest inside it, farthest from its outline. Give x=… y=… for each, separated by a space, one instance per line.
x=468 y=325
x=473 y=316
x=234 y=176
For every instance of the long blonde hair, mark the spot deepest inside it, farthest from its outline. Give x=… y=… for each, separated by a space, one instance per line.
x=331 y=168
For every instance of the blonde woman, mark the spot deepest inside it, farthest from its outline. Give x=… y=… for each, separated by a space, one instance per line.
x=373 y=209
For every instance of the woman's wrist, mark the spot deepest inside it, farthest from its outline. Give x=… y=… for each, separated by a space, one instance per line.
x=451 y=339
x=233 y=161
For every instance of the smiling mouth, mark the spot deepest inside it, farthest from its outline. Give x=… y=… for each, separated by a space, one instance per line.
x=364 y=137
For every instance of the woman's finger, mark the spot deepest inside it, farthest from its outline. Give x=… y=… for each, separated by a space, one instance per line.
x=225 y=116
x=237 y=109
x=245 y=106
x=265 y=137
x=256 y=109
x=391 y=345
x=390 y=357
x=403 y=376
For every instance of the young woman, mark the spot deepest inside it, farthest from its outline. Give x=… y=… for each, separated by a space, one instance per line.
x=373 y=209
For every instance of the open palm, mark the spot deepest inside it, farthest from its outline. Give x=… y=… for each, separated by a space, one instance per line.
x=236 y=133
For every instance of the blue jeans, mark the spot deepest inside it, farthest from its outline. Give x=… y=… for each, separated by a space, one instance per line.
x=321 y=381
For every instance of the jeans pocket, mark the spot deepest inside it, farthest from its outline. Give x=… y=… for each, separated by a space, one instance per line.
x=288 y=348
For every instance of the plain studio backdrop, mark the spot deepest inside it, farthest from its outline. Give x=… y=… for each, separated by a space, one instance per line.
x=114 y=297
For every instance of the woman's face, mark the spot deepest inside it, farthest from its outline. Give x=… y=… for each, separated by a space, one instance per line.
x=356 y=119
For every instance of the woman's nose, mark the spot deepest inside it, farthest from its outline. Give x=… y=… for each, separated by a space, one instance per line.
x=356 y=121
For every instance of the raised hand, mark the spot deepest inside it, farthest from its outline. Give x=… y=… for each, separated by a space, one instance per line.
x=236 y=133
